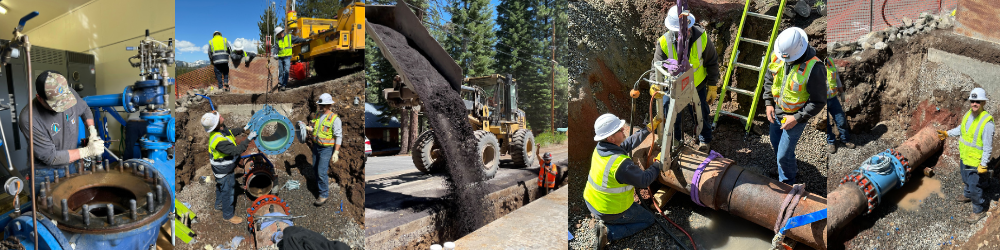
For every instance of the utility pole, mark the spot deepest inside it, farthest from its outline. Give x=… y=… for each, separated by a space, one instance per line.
x=552 y=107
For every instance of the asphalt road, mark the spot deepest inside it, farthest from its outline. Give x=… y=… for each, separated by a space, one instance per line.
x=397 y=193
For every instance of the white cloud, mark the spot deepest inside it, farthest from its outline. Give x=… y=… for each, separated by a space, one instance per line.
x=185 y=46
x=204 y=48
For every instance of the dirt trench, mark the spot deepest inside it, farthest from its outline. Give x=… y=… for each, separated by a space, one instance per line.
x=446 y=113
x=348 y=95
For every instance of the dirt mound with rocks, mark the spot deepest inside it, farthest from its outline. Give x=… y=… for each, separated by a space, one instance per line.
x=348 y=95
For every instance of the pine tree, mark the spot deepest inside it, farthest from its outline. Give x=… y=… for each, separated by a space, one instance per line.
x=471 y=39
x=268 y=20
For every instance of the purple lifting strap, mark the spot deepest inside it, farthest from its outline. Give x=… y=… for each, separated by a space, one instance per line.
x=697 y=176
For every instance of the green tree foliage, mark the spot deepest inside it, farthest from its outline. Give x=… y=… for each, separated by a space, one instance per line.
x=471 y=40
x=268 y=20
x=379 y=73
x=319 y=8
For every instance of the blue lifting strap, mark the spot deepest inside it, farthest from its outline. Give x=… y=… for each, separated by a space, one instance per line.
x=802 y=220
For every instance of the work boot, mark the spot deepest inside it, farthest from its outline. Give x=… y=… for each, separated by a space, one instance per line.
x=831 y=148
x=849 y=145
x=602 y=237
x=703 y=147
x=282 y=88
x=235 y=220
x=974 y=217
x=319 y=202
x=962 y=199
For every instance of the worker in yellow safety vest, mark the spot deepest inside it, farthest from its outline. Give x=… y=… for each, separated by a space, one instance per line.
x=239 y=54
x=218 y=53
x=835 y=108
x=225 y=152
x=326 y=137
x=976 y=131
x=797 y=100
x=613 y=178
x=547 y=173
x=283 y=52
x=703 y=59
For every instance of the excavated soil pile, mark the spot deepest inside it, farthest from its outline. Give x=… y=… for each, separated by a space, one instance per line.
x=446 y=114
x=348 y=95
x=895 y=91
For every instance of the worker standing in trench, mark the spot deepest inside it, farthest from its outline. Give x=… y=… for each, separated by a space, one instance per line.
x=283 y=52
x=835 y=109
x=976 y=131
x=326 y=137
x=56 y=113
x=703 y=59
x=218 y=54
x=797 y=99
x=225 y=153
x=613 y=178
x=239 y=54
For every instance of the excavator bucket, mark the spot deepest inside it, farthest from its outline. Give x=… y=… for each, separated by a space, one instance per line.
x=401 y=19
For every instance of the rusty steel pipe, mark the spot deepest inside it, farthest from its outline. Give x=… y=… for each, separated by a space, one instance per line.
x=728 y=187
x=848 y=200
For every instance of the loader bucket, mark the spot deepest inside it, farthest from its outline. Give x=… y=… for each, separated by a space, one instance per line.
x=401 y=19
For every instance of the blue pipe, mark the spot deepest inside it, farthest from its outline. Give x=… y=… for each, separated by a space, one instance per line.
x=210 y=104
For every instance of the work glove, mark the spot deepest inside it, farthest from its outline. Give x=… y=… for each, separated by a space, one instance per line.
x=654 y=90
x=336 y=156
x=247 y=127
x=982 y=169
x=942 y=134
x=252 y=135
x=93 y=133
x=93 y=148
x=652 y=126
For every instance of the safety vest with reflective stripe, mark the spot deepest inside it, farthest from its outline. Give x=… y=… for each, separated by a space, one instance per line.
x=546 y=174
x=971 y=148
x=790 y=91
x=323 y=131
x=831 y=79
x=603 y=191
x=218 y=48
x=218 y=158
x=285 y=46
x=694 y=58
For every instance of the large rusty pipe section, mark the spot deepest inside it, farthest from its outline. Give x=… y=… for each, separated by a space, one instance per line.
x=856 y=194
x=728 y=187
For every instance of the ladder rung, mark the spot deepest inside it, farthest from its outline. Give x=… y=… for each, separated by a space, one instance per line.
x=741 y=91
x=757 y=42
x=731 y=114
x=747 y=66
x=755 y=14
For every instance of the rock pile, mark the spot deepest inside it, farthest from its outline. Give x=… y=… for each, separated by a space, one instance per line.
x=879 y=40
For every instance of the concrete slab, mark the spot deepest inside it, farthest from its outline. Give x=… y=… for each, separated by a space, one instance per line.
x=539 y=225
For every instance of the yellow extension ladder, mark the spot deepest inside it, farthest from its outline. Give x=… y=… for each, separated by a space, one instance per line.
x=761 y=69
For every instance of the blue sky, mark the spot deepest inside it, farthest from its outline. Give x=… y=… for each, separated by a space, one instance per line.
x=197 y=19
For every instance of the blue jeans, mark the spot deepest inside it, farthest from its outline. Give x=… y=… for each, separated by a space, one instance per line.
x=284 y=64
x=221 y=74
x=321 y=162
x=783 y=143
x=224 y=189
x=973 y=188
x=633 y=220
x=706 y=130
x=834 y=108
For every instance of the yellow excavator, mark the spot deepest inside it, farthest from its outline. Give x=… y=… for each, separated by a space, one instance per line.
x=331 y=41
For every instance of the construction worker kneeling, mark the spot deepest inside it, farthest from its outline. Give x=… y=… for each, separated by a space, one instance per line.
x=225 y=153
x=797 y=83
x=325 y=145
x=613 y=178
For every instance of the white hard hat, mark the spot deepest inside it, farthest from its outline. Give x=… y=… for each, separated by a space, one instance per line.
x=238 y=45
x=791 y=44
x=325 y=99
x=278 y=29
x=210 y=120
x=978 y=94
x=673 y=23
x=216 y=33
x=607 y=125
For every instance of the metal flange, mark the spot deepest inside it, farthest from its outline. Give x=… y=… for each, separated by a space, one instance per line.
x=258 y=175
x=277 y=141
x=264 y=202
